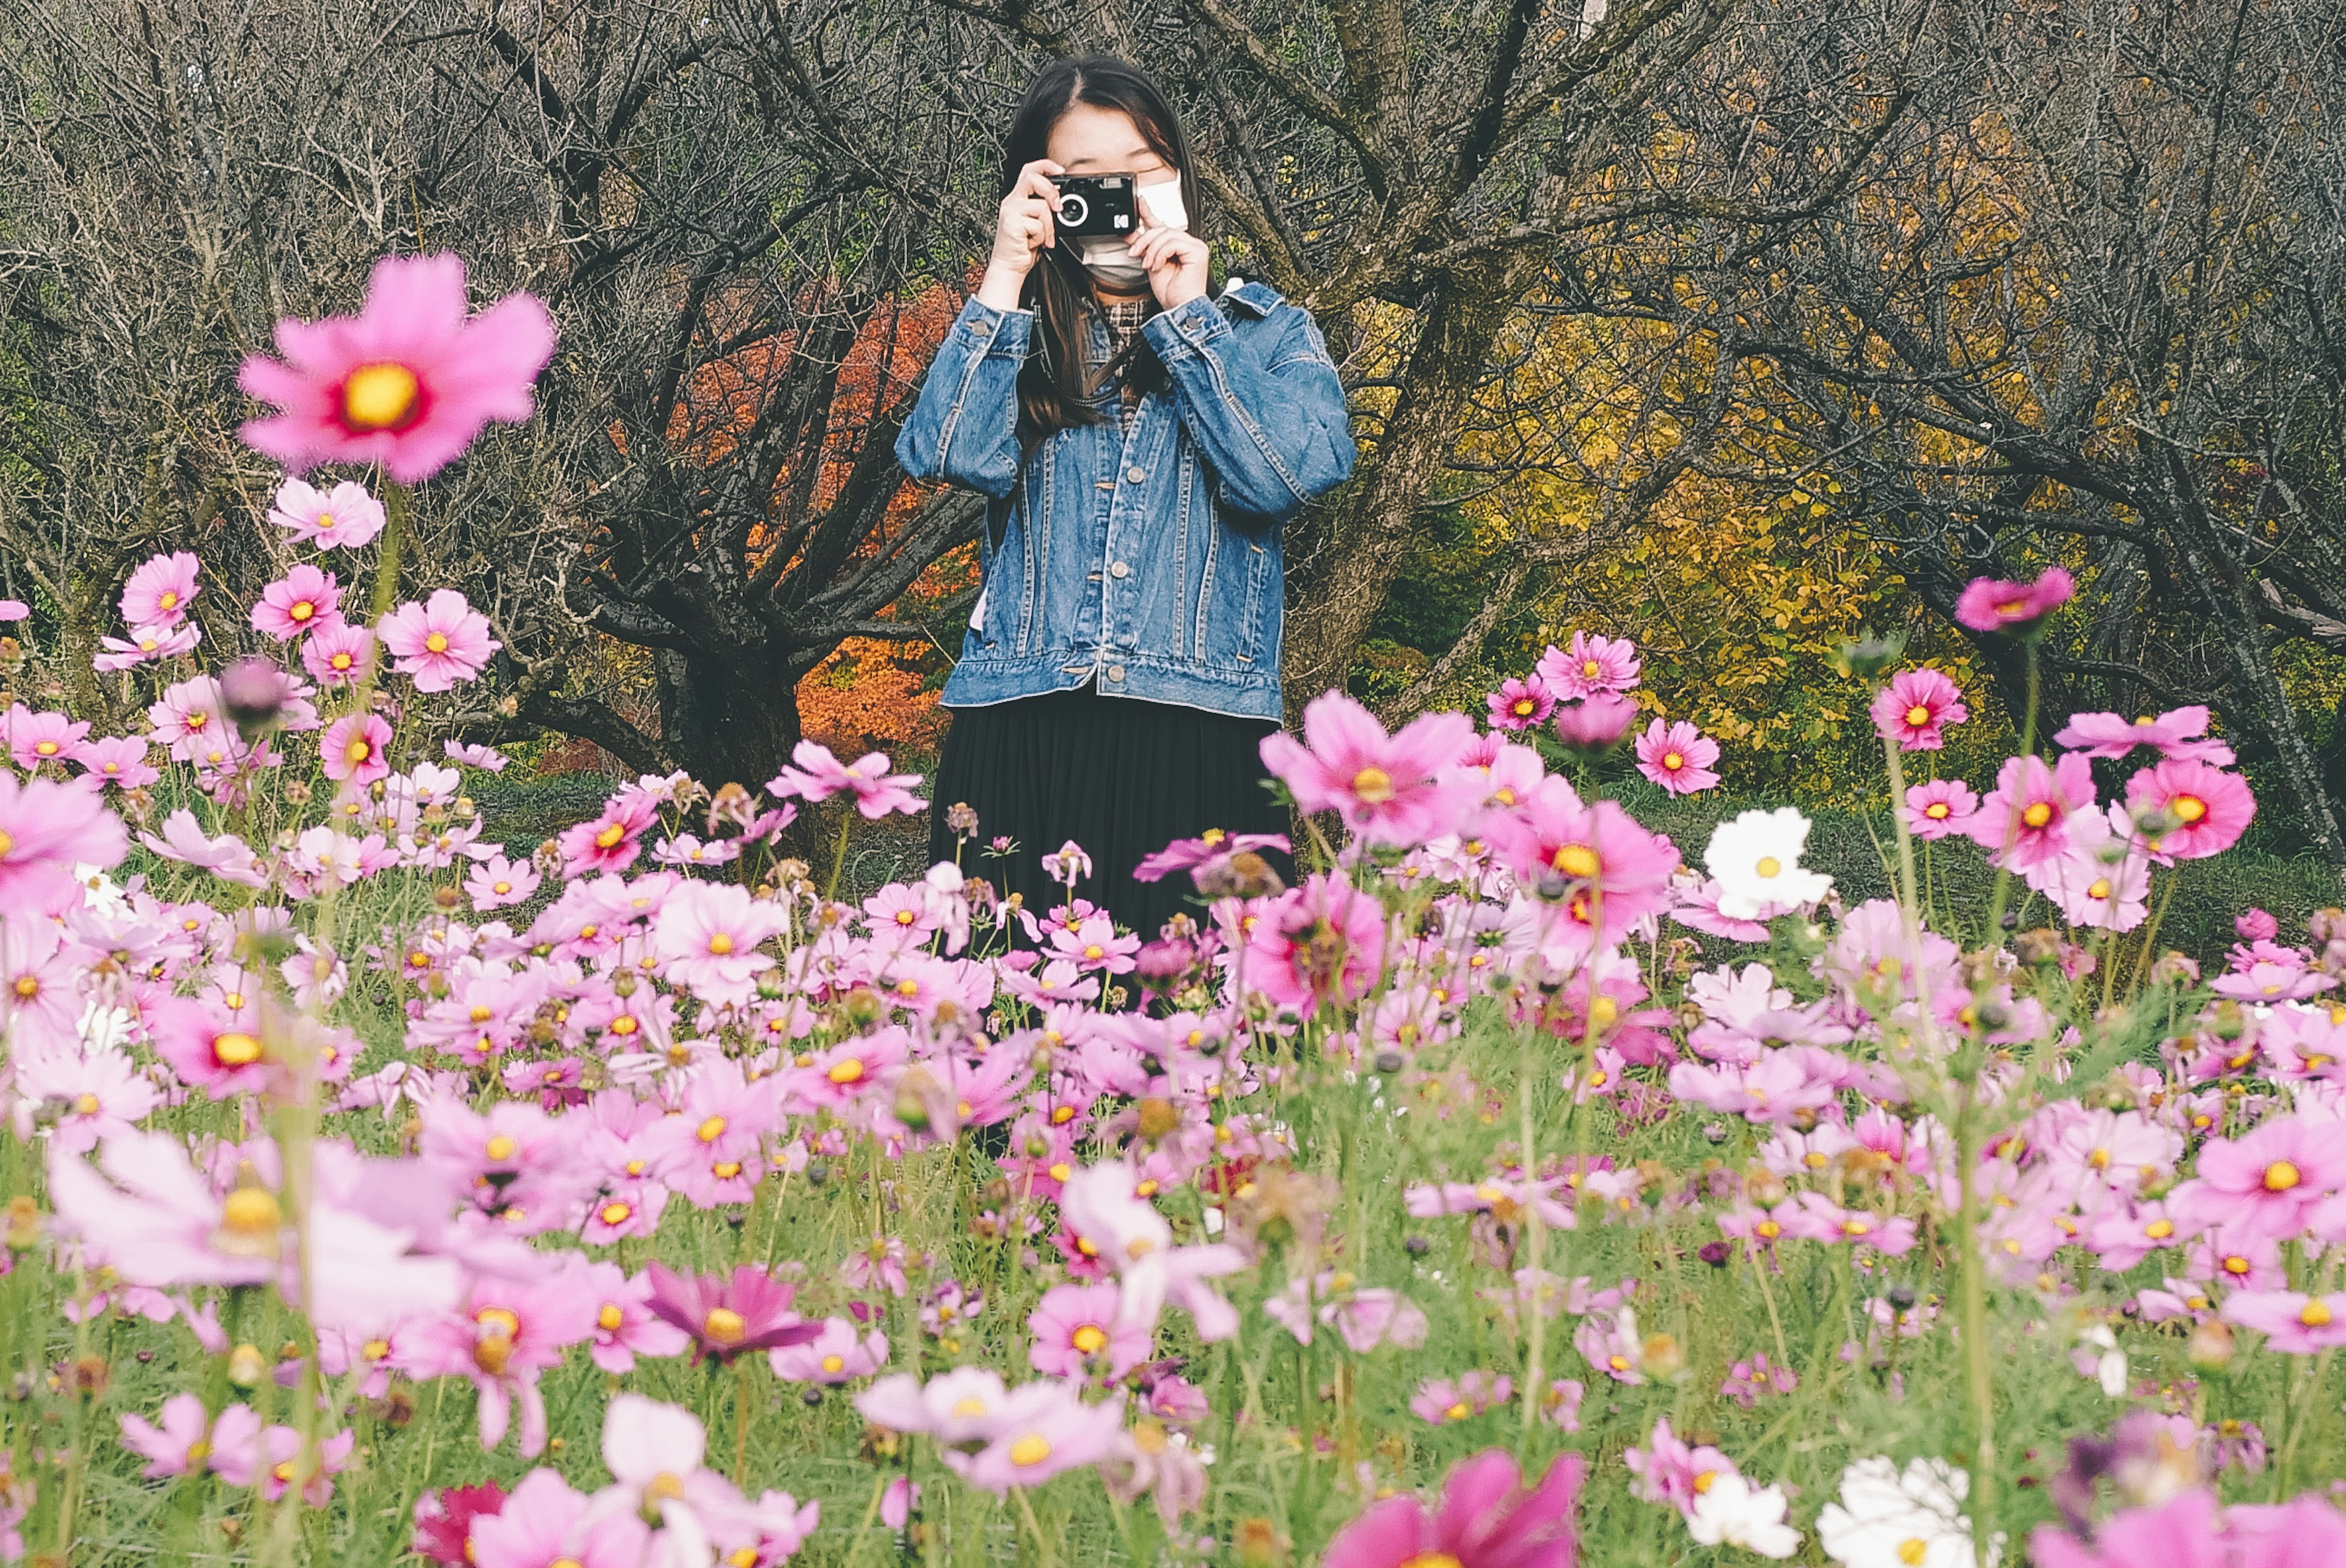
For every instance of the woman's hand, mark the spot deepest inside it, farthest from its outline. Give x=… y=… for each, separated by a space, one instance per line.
x=1025 y=229
x=1176 y=259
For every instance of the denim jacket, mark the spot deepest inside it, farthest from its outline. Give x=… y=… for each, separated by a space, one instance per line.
x=1143 y=559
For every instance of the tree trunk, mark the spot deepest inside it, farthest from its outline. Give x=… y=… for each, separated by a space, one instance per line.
x=726 y=724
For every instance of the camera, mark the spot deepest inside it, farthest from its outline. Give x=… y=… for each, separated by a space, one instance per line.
x=1094 y=204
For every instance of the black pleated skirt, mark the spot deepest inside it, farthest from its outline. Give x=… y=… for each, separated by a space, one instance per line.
x=1120 y=777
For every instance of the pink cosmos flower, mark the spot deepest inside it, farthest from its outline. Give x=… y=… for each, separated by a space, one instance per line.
x=654 y=1454
x=444 y=1521
x=46 y=828
x=728 y=1317
x=624 y=1325
x=14 y=610
x=339 y=655
x=1590 y=665
x=1387 y=789
x=504 y=1339
x=835 y=1355
x=354 y=748
x=440 y=642
x=1916 y=706
x=118 y=761
x=408 y=383
x=2025 y=820
x=1678 y=756
x=157 y=592
x=1487 y=1519
x=1077 y=1334
x=1672 y=1473
x=815 y=774
x=2292 y=1323
x=1111 y=1221
x=227 y=857
x=957 y=1408
x=221 y=1056
x=304 y=600
x=611 y=842
x=2272 y=1178
x=1990 y=605
x=2210 y=808
x=35 y=740
x=1444 y=1399
x=1322 y=942
x=547 y=1521
x=179 y=1445
x=1941 y=808
x=1595 y=725
x=343 y=517
x=1520 y=705
x=707 y=935
x=498 y=883
x=2186 y=1532
x=1363 y=1318
x=1043 y=1429
x=1603 y=873
x=2175 y=734
x=145 y=644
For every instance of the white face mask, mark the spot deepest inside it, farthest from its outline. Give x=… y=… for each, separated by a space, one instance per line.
x=1109 y=258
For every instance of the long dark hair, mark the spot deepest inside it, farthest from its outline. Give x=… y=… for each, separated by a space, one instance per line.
x=1056 y=386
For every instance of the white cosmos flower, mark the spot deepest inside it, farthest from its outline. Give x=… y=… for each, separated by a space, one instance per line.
x=1729 y=1512
x=1756 y=859
x=1886 y=1519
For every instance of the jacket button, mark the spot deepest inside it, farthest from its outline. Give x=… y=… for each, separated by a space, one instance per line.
x=1119 y=569
x=1116 y=672
x=1136 y=474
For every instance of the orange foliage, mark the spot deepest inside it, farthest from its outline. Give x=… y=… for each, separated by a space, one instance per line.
x=871 y=696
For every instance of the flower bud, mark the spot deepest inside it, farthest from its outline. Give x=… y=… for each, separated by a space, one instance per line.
x=2210 y=1348
x=247 y=1367
x=252 y=694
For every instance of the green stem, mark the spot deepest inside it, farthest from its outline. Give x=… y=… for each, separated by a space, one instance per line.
x=1971 y=1305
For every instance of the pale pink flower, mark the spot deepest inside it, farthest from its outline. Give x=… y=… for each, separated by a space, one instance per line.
x=1043 y=1429
x=836 y=1355
x=46 y=828
x=546 y=1523
x=2175 y=734
x=1940 y=808
x=339 y=655
x=707 y=935
x=344 y=517
x=440 y=642
x=1077 y=1334
x=498 y=883
x=158 y=592
x=179 y=1446
x=408 y=383
x=1590 y=665
x=654 y=1454
x=145 y=644
x=119 y=761
x=188 y=718
x=2291 y=1322
x=97 y=1094
x=815 y=774
x=227 y=857
x=36 y=739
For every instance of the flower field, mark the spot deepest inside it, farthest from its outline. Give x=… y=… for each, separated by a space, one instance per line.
x=1518 y=1188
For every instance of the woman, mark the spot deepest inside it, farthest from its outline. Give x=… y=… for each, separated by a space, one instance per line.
x=1138 y=443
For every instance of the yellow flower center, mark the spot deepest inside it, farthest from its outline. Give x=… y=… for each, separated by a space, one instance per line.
x=87 y=1105
x=1575 y=860
x=1089 y=1338
x=2159 y=1229
x=846 y=1072
x=1030 y=1451
x=725 y=1326
x=719 y=945
x=379 y=397
x=1524 y=708
x=45 y=747
x=302 y=610
x=1457 y=1413
x=609 y=838
x=1937 y=810
x=26 y=987
x=359 y=749
x=1918 y=715
x=2280 y=1177
x=1913 y=1550
x=609 y=1319
x=2187 y=807
x=501 y=1147
x=616 y=1213
x=340 y=660
x=251 y=1211
x=969 y=1409
x=726 y=1170
x=436 y=642
x=1672 y=761
x=834 y=1364
x=1432 y=1560
x=1590 y=669
x=1373 y=785
x=709 y=1131
x=235 y=1049
x=2315 y=1314
x=2037 y=814
x=2100 y=888
x=1768 y=866
x=2236 y=1265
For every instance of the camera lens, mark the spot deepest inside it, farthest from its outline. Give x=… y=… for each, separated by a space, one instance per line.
x=1073 y=210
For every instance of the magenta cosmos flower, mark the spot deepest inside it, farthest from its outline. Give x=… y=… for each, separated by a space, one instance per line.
x=1321 y=943
x=2210 y=808
x=1609 y=873
x=816 y=774
x=1589 y=665
x=2025 y=819
x=46 y=829
x=2175 y=734
x=407 y=383
x=2186 y=1532
x=1678 y=756
x=1914 y=708
x=157 y=592
x=1991 y=604
x=1487 y=1520
x=353 y=747
x=344 y=517
x=1597 y=723
x=1387 y=788
x=440 y=642
x=728 y=1317
x=1520 y=705
x=1940 y=808
x=304 y=600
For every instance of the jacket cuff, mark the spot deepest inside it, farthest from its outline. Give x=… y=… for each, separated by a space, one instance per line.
x=995 y=334
x=1178 y=332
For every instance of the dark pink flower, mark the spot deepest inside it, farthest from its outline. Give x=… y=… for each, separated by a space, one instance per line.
x=1185 y=855
x=608 y=842
x=353 y=748
x=1990 y=605
x=1940 y=808
x=439 y=643
x=1678 y=756
x=1916 y=707
x=1487 y=1519
x=2210 y=809
x=2173 y=733
x=2025 y=820
x=304 y=600
x=728 y=1317
x=444 y=1521
x=1321 y=943
x=1389 y=789
x=1520 y=705
x=1590 y=665
x=408 y=383
x=46 y=828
